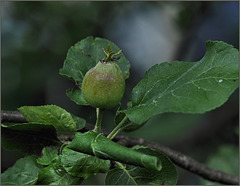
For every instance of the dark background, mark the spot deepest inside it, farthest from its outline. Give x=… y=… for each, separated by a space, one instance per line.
x=37 y=35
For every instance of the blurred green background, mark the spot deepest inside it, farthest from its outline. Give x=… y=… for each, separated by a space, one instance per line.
x=37 y=35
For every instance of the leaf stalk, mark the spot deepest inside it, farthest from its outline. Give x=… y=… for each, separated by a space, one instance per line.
x=117 y=129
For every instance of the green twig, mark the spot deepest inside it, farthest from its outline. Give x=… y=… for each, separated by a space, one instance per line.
x=97 y=127
x=117 y=129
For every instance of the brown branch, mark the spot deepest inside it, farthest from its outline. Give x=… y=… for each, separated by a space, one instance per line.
x=178 y=158
x=12 y=116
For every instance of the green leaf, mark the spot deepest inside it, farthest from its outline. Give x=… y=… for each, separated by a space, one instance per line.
x=187 y=87
x=23 y=172
x=132 y=175
x=55 y=174
x=80 y=122
x=83 y=165
x=76 y=96
x=49 y=154
x=83 y=56
x=97 y=144
x=50 y=115
x=28 y=137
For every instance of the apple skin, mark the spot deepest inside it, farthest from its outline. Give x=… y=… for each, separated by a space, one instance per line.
x=103 y=85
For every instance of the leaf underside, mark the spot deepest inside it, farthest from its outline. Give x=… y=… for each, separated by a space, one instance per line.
x=28 y=138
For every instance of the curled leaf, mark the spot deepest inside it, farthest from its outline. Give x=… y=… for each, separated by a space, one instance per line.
x=97 y=144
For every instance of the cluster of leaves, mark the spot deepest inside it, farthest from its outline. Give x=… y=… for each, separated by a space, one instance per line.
x=48 y=162
x=187 y=87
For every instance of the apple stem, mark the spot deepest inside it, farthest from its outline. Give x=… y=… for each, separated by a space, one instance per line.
x=97 y=127
x=110 y=54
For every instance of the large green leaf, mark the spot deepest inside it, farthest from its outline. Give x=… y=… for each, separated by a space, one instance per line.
x=55 y=174
x=187 y=87
x=82 y=165
x=83 y=56
x=50 y=115
x=23 y=172
x=48 y=155
x=28 y=137
x=132 y=175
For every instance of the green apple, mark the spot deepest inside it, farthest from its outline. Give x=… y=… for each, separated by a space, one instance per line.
x=103 y=85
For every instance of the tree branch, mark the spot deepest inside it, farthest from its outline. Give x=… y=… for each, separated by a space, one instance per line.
x=12 y=116
x=178 y=158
